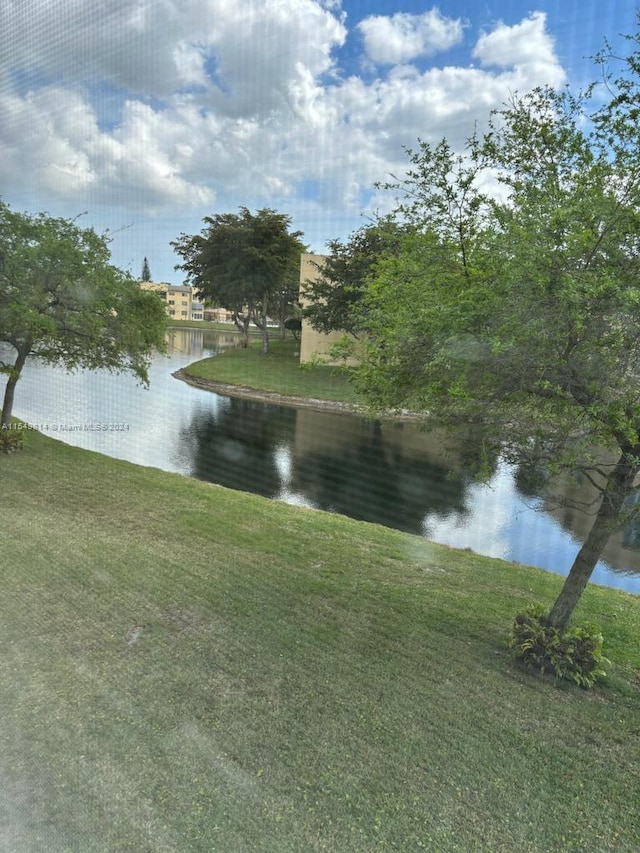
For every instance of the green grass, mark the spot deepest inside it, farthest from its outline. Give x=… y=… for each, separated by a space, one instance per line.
x=206 y=325
x=187 y=668
x=279 y=372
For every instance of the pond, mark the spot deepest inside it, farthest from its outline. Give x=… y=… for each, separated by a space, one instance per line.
x=395 y=475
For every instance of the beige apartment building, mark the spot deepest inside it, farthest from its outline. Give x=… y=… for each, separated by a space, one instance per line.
x=314 y=345
x=180 y=301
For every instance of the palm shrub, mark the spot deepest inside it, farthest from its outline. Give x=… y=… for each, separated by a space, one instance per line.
x=575 y=654
x=11 y=440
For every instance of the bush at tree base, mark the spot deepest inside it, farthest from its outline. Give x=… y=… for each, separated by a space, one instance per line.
x=575 y=655
x=11 y=440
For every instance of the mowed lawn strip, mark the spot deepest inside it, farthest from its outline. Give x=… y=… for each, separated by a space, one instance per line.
x=187 y=668
x=279 y=372
x=208 y=326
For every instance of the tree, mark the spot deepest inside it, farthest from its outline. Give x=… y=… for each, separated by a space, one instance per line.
x=522 y=308
x=244 y=263
x=61 y=301
x=334 y=298
x=146 y=272
x=253 y=430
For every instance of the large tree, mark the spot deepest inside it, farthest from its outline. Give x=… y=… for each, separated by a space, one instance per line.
x=61 y=301
x=245 y=263
x=519 y=306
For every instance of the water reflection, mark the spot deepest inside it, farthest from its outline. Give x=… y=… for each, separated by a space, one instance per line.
x=374 y=479
x=235 y=445
x=394 y=475
x=332 y=462
x=199 y=342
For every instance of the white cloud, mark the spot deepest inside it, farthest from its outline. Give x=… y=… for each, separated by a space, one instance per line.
x=59 y=150
x=157 y=47
x=174 y=109
x=128 y=43
x=525 y=45
x=403 y=37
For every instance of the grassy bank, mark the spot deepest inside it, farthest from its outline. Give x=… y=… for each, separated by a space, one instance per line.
x=205 y=325
x=187 y=668
x=279 y=372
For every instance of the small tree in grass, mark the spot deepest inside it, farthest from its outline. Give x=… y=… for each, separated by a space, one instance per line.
x=294 y=325
x=61 y=301
x=522 y=309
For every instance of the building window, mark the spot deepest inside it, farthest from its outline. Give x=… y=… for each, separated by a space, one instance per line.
x=172 y=302
x=184 y=313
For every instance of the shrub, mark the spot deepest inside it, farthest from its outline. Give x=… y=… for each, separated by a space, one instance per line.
x=575 y=655
x=343 y=349
x=294 y=325
x=316 y=360
x=11 y=440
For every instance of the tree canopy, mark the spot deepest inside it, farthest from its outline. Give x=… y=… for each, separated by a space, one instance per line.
x=247 y=263
x=61 y=301
x=334 y=297
x=515 y=297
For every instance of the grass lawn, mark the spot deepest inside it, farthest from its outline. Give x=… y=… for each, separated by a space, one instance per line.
x=280 y=371
x=205 y=325
x=187 y=668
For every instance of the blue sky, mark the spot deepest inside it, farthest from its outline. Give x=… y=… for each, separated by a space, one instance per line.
x=151 y=114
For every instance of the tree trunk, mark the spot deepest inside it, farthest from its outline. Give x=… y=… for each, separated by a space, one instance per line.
x=618 y=488
x=282 y=317
x=242 y=324
x=9 y=391
x=260 y=321
x=265 y=327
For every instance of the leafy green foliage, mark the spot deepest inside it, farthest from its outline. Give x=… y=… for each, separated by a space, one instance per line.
x=312 y=363
x=518 y=307
x=61 y=301
x=11 y=440
x=335 y=297
x=343 y=350
x=575 y=654
x=247 y=263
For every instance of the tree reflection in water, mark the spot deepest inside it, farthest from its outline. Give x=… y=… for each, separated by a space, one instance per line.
x=235 y=446
x=372 y=480
x=340 y=464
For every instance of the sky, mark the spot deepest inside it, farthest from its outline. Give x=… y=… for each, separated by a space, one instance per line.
x=144 y=116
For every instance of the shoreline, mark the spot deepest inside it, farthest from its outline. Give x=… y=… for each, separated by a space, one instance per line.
x=274 y=398
x=228 y=389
